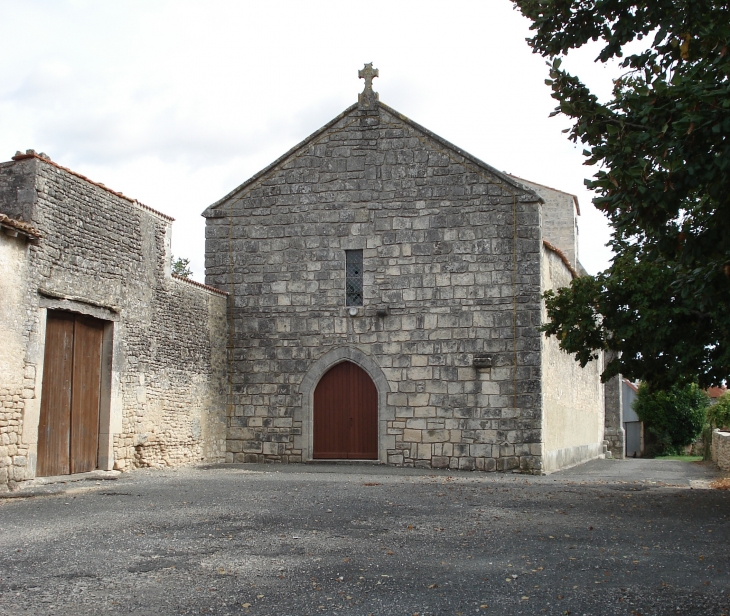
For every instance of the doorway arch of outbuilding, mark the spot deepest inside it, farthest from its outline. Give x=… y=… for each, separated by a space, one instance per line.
x=318 y=369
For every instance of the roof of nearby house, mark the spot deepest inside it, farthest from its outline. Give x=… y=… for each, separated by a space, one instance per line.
x=46 y=159
x=473 y=159
x=716 y=392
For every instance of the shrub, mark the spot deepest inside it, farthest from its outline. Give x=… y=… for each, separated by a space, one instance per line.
x=181 y=267
x=674 y=417
x=718 y=415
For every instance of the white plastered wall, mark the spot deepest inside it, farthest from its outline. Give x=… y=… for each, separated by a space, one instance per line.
x=572 y=397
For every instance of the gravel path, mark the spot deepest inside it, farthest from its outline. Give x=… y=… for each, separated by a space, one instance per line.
x=609 y=537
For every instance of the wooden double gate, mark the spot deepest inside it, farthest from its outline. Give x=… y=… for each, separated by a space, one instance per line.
x=346 y=415
x=68 y=433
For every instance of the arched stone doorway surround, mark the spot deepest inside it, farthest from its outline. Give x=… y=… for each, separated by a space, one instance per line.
x=315 y=373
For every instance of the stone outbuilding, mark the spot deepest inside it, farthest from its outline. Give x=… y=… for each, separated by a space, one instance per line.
x=107 y=360
x=385 y=299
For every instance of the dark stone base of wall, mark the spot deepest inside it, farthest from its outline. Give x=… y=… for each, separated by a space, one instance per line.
x=531 y=465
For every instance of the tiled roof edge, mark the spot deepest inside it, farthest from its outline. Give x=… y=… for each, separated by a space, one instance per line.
x=563 y=258
x=195 y=283
x=18 y=225
x=26 y=156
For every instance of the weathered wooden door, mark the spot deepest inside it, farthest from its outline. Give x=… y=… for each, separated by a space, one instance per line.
x=68 y=433
x=346 y=414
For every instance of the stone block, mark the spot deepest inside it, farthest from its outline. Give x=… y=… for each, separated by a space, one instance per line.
x=252 y=447
x=480 y=451
x=241 y=434
x=440 y=462
x=395 y=459
x=412 y=436
x=436 y=436
x=416 y=400
x=508 y=463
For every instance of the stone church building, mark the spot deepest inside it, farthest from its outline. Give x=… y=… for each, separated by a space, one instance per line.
x=374 y=294
x=385 y=298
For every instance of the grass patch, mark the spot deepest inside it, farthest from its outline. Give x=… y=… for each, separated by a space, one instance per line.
x=681 y=458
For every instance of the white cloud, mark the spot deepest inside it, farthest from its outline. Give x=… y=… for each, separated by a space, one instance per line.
x=177 y=102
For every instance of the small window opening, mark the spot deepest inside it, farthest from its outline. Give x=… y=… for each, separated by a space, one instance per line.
x=353 y=278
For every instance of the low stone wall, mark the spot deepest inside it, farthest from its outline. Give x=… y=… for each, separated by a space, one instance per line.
x=721 y=449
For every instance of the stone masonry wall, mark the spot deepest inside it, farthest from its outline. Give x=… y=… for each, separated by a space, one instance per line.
x=573 y=403
x=15 y=380
x=614 y=432
x=721 y=449
x=559 y=219
x=444 y=255
x=107 y=256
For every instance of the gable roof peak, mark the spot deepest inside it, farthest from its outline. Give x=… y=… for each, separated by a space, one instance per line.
x=527 y=194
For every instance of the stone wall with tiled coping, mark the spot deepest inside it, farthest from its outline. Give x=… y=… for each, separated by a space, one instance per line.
x=106 y=256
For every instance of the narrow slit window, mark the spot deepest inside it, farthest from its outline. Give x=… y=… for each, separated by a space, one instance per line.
x=353 y=278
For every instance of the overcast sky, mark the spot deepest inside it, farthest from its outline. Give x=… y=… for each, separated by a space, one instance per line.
x=177 y=102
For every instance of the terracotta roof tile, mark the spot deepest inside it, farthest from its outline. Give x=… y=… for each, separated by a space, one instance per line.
x=18 y=225
x=195 y=283
x=563 y=258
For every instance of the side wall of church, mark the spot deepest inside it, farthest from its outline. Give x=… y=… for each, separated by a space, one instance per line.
x=452 y=260
x=572 y=397
x=559 y=219
x=106 y=256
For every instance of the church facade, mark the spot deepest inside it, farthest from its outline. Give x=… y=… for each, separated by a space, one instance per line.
x=385 y=299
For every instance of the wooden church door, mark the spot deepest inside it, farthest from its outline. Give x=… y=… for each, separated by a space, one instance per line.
x=68 y=433
x=346 y=415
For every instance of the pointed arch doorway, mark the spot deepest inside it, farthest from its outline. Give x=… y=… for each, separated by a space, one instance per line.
x=345 y=414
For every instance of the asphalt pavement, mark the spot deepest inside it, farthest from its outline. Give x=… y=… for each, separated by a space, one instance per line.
x=635 y=537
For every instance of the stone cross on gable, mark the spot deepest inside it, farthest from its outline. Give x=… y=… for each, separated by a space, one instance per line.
x=368 y=99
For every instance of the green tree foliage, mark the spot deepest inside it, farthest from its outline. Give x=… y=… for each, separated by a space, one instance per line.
x=718 y=415
x=675 y=416
x=181 y=267
x=662 y=148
